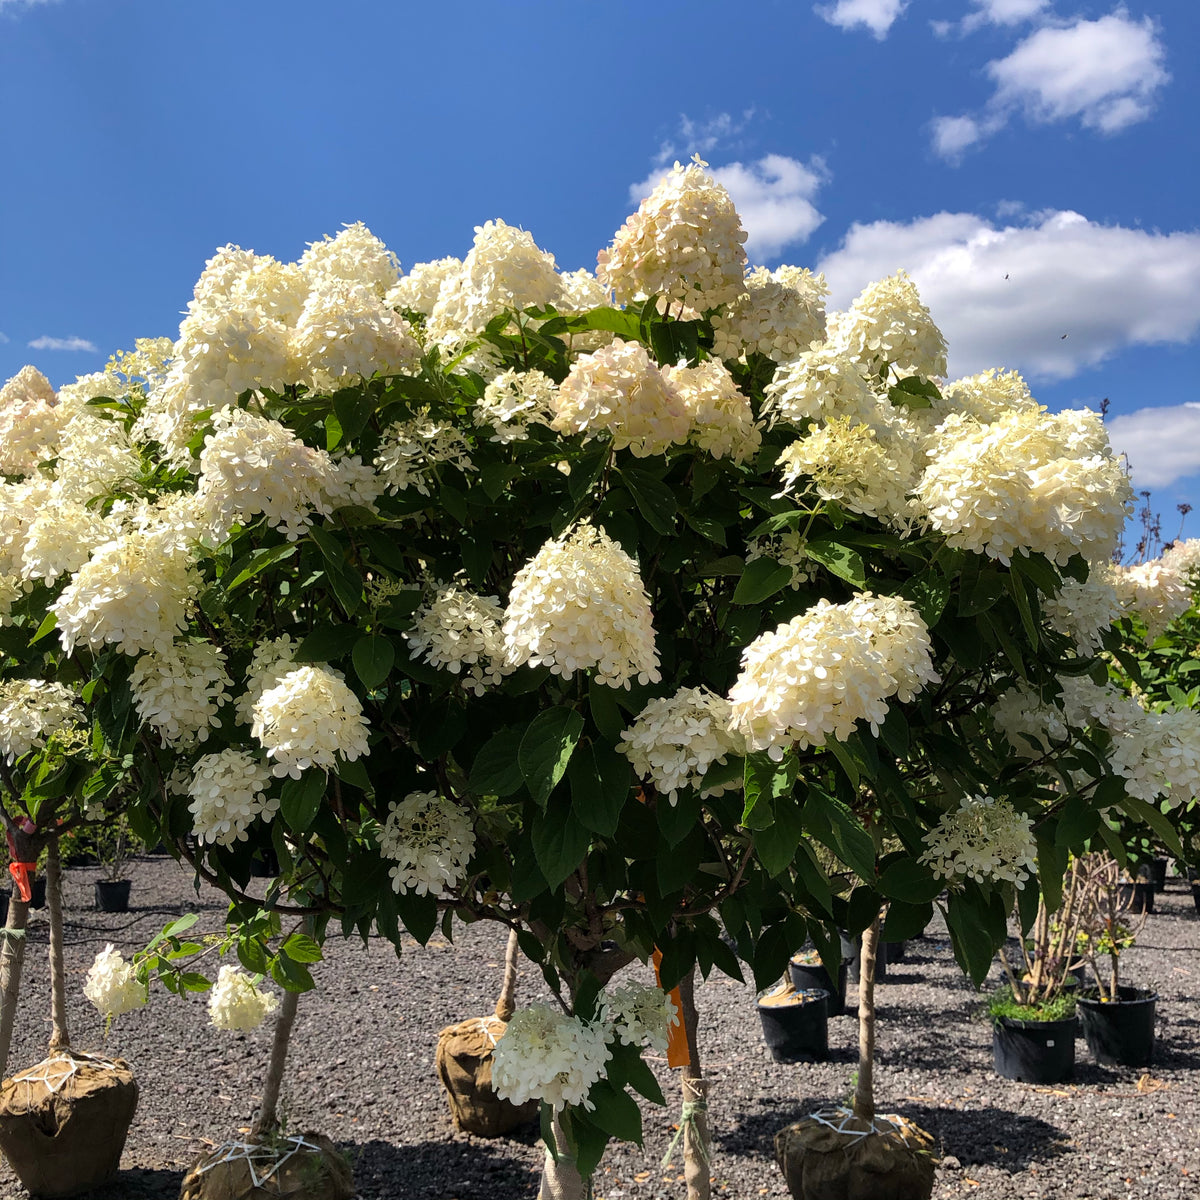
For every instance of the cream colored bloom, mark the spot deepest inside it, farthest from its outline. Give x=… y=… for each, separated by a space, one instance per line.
x=888 y=325
x=619 y=389
x=355 y=256
x=722 y=421
x=418 y=291
x=309 y=718
x=675 y=739
x=780 y=315
x=112 y=985
x=514 y=401
x=549 y=1056
x=30 y=422
x=227 y=793
x=31 y=711
x=411 y=452
x=1158 y=591
x=820 y=384
x=683 y=243
x=580 y=604
x=237 y=1004
x=984 y=838
x=827 y=669
x=639 y=1015
x=461 y=632
x=179 y=693
x=430 y=841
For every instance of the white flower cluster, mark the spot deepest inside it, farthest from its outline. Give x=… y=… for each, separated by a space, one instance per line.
x=829 y=668
x=865 y=468
x=722 y=421
x=461 y=632
x=514 y=401
x=30 y=422
x=675 y=739
x=640 y=1015
x=112 y=985
x=984 y=838
x=135 y=592
x=1028 y=481
x=179 y=692
x=986 y=397
x=780 y=315
x=789 y=548
x=819 y=384
x=1184 y=558
x=549 y=1056
x=32 y=710
x=580 y=603
x=412 y=450
x=619 y=389
x=227 y=796
x=270 y=662
x=503 y=271
x=1158 y=591
x=684 y=243
x=1158 y=755
x=237 y=1004
x=60 y=538
x=1029 y=724
x=1084 y=611
x=430 y=840
x=354 y=255
x=250 y=465
x=308 y=719
x=888 y=324
x=418 y=291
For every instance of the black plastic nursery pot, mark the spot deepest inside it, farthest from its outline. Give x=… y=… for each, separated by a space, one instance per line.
x=1158 y=873
x=1034 y=1051
x=852 y=957
x=1137 y=897
x=38 y=891
x=795 y=1024
x=1119 y=1033
x=1196 y=896
x=112 y=895
x=808 y=975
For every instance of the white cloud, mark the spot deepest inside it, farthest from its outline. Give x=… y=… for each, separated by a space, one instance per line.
x=4 y=339
x=701 y=137
x=1161 y=444
x=14 y=5
x=774 y=197
x=876 y=15
x=1007 y=295
x=992 y=12
x=1105 y=72
x=68 y=343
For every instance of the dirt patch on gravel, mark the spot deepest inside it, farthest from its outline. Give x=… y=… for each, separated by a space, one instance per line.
x=362 y=1071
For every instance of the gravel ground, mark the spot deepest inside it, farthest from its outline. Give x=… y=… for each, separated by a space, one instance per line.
x=361 y=1071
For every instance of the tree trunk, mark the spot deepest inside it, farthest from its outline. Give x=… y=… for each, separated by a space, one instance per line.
x=12 y=960
x=60 y=1039
x=864 y=1090
x=697 y=1145
x=504 y=1004
x=560 y=1176
x=268 y=1114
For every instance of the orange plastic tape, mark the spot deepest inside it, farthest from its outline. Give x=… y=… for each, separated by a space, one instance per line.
x=677 y=1045
x=23 y=873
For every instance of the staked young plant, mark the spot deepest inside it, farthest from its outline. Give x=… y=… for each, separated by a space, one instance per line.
x=592 y=606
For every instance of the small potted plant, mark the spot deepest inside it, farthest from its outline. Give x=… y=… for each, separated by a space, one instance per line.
x=112 y=843
x=1117 y=1020
x=806 y=970
x=1033 y=1013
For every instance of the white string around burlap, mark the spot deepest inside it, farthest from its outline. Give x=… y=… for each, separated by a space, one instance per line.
x=838 y=1120
x=52 y=1080
x=485 y=1024
x=252 y=1153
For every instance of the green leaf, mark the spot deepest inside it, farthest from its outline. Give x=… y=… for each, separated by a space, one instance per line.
x=839 y=560
x=629 y=1066
x=606 y=712
x=560 y=842
x=655 y=501
x=1052 y=868
x=930 y=592
x=836 y=828
x=373 y=659
x=254 y=564
x=1076 y=823
x=495 y=771
x=299 y=947
x=677 y=865
x=616 y=1112
x=1149 y=815
x=761 y=579
x=546 y=750
x=343 y=578
x=193 y=981
x=776 y=846
x=599 y=777
x=293 y=976
x=300 y=799
x=813 y=878
x=327 y=643
x=908 y=881
x=353 y=407
x=905 y=920
x=763 y=780
x=175 y=928
x=48 y=625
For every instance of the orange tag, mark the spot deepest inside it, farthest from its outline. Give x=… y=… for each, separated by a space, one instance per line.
x=677 y=1046
x=22 y=874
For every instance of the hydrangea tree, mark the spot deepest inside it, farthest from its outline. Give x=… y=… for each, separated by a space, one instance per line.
x=591 y=605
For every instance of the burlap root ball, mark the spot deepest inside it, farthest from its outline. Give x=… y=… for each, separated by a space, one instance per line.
x=464 y=1065
x=835 y=1156
x=63 y=1122
x=305 y=1167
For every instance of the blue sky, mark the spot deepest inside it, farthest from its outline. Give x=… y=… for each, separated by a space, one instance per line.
x=1033 y=163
